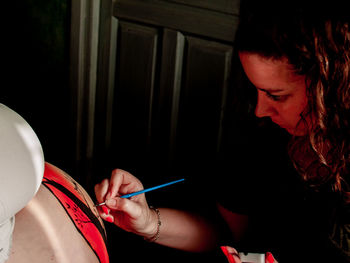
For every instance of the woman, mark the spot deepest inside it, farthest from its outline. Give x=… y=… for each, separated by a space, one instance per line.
x=296 y=55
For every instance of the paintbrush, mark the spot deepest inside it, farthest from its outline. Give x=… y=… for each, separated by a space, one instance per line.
x=145 y=190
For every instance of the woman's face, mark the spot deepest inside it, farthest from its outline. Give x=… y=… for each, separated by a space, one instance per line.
x=281 y=92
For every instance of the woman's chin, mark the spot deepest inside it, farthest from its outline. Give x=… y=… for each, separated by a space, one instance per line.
x=296 y=132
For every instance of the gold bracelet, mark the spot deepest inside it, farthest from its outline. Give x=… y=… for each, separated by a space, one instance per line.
x=156 y=235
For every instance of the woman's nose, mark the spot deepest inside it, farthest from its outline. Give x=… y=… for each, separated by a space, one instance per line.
x=263 y=106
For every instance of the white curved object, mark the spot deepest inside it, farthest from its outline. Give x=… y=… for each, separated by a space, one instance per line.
x=21 y=163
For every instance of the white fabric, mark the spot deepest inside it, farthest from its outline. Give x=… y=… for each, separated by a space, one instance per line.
x=21 y=168
x=6 y=230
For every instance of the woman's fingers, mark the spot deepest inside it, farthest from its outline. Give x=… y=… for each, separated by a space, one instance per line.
x=269 y=258
x=101 y=190
x=129 y=207
x=122 y=180
x=131 y=214
x=231 y=254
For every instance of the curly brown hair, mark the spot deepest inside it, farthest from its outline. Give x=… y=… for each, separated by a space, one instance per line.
x=317 y=45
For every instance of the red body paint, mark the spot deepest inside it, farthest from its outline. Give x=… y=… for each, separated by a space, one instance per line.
x=228 y=255
x=78 y=209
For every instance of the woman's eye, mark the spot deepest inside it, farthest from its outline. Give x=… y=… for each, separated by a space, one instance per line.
x=275 y=97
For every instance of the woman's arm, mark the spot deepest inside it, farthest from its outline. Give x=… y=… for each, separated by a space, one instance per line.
x=178 y=229
x=186 y=231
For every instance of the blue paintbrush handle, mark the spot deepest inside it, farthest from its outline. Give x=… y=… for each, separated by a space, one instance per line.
x=151 y=189
x=146 y=190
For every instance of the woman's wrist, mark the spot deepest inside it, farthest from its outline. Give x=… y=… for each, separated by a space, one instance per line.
x=154 y=232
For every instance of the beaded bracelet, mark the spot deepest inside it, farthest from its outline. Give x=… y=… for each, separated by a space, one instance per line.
x=159 y=223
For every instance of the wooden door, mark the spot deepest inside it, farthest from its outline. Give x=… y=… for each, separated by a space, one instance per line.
x=164 y=73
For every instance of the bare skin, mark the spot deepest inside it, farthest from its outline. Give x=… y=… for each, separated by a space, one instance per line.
x=44 y=232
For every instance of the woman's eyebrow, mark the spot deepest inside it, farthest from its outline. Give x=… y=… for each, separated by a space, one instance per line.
x=270 y=90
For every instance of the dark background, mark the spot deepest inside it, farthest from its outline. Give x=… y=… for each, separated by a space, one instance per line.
x=35 y=72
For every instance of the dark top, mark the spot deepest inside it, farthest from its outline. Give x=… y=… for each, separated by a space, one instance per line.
x=293 y=222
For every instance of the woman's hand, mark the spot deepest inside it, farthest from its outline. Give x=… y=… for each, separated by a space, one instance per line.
x=133 y=214
x=233 y=256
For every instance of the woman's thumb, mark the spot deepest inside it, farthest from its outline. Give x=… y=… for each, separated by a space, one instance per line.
x=112 y=203
x=123 y=205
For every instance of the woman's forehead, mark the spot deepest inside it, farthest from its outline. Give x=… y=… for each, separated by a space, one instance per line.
x=269 y=74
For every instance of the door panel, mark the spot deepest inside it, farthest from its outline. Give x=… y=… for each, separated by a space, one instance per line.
x=203 y=99
x=134 y=92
